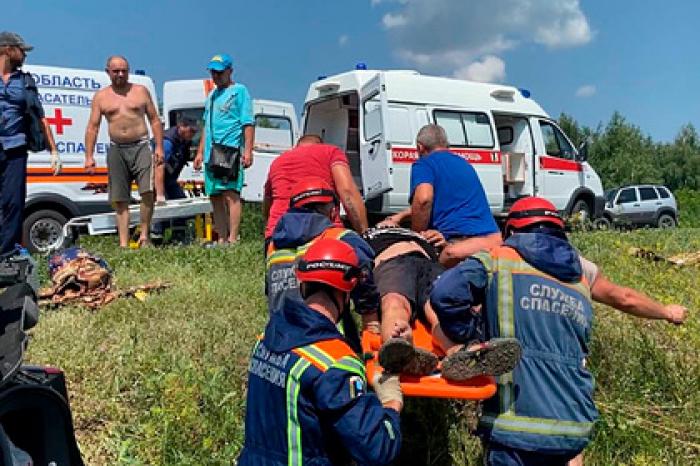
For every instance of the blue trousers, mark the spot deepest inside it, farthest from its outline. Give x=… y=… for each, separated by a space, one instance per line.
x=13 y=191
x=500 y=455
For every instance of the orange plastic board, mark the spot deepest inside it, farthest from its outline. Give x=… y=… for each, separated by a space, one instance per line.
x=430 y=386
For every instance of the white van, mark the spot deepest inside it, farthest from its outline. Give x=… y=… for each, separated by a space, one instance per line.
x=66 y=95
x=515 y=147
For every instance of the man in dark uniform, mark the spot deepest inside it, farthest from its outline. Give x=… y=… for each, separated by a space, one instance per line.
x=18 y=96
x=312 y=207
x=307 y=390
x=177 y=142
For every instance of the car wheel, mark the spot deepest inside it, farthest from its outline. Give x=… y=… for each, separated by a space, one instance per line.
x=666 y=221
x=602 y=223
x=42 y=231
x=582 y=210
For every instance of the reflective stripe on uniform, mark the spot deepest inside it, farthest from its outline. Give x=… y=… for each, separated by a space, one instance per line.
x=316 y=356
x=542 y=426
x=351 y=364
x=329 y=354
x=281 y=256
x=294 y=451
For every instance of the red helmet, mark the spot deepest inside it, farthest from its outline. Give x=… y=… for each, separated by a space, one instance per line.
x=531 y=210
x=329 y=261
x=311 y=191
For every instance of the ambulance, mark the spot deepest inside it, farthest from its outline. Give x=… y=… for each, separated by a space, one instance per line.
x=66 y=95
x=515 y=147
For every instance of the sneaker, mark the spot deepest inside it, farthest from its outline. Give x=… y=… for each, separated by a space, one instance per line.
x=423 y=363
x=494 y=357
x=394 y=354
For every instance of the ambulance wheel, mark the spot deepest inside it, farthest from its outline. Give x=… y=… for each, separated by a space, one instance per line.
x=43 y=231
x=582 y=210
x=602 y=223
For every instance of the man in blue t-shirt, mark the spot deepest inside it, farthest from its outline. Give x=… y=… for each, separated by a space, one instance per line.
x=447 y=195
x=228 y=122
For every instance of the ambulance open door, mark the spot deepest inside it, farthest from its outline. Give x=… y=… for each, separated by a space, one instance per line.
x=375 y=150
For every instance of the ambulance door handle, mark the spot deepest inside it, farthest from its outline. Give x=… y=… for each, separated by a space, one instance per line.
x=635 y=205
x=372 y=146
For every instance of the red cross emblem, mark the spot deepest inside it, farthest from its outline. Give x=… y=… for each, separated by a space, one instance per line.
x=58 y=121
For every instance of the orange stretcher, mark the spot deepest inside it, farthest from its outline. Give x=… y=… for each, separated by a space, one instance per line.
x=429 y=386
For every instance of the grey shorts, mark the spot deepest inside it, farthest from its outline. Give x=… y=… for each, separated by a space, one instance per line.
x=126 y=163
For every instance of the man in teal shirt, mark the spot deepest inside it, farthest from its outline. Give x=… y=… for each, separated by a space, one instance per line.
x=228 y=120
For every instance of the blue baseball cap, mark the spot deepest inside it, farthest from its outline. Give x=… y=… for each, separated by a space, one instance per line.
x=220 y=62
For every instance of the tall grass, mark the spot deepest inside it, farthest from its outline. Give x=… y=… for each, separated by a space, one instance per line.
x=163 y=381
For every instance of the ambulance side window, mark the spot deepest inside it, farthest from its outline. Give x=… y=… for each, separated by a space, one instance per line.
x=400 y=125
x=466 y=129
x=555 y=142
x=452 y=124
x=273 y=133
x=371 y=109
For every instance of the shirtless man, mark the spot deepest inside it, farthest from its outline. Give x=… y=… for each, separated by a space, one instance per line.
x=126 y=107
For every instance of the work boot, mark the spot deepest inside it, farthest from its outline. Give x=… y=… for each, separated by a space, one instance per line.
x=394 y=354
x=423 y=363
x=400 y=356
x=494 y=357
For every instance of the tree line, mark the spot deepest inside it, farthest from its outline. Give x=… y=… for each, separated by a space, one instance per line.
x=622 y=154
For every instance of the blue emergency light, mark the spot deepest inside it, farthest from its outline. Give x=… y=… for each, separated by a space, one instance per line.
x=361 y=66
x=525 y=93
x=140 y=72
x=320 y=77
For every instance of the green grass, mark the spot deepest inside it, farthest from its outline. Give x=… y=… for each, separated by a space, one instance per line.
x=163 y=381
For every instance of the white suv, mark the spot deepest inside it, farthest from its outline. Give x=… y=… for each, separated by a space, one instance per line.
x=641 y=205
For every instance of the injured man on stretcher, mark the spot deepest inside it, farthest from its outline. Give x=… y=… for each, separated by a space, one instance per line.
x=406 y=265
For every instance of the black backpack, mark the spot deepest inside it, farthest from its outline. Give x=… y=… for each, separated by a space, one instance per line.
x=35 y=415
x=33 y=126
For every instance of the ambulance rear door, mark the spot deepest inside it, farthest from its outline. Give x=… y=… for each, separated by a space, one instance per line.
x=375 y=150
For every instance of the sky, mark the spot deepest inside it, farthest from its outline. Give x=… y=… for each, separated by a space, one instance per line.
x=587 y=59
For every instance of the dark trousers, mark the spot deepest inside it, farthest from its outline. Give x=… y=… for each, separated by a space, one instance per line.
x=173 y=190
x=499 y=455
x=13 y=191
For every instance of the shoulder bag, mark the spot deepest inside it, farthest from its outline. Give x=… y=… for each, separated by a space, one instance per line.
x=224 y=160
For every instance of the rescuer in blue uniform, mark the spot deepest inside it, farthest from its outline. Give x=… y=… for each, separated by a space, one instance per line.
x=307 y=390
x=536 y=288
x=177 y=142
x=313 y=204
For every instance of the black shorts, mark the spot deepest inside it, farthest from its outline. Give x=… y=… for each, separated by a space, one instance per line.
x=410 y=275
